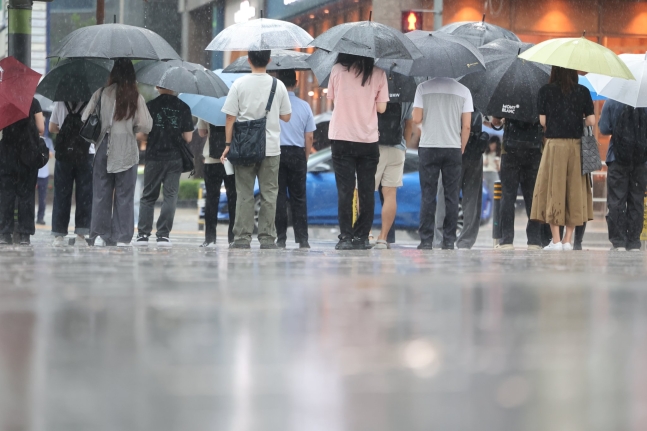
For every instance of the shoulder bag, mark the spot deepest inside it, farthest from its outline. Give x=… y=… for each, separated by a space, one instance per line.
x=248 y=142
x=591 y=160
x=91 y=130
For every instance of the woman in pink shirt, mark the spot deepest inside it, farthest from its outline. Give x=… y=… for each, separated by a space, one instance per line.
x=359 y=91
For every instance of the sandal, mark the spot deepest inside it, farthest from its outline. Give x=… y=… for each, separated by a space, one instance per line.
x=381 y=245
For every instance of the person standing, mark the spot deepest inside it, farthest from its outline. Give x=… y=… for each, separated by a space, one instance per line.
x=442 y=110
x=123 y=115
x=214 y=176
x=41 y=185
x=296 y=145
x=359 y=92
x=519 y=167
x=562 y=195
x=390 y=168
x=626 y=172
x=72 y=171
x=247 y=100
x=17 y=180
x=172 y=127
x=492 y=163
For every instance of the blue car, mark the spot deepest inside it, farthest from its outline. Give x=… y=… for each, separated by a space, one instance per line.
x=321 y=192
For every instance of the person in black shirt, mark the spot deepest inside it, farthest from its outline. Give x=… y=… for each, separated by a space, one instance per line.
x=18 y=181
x=172 y=127
x=562 y=195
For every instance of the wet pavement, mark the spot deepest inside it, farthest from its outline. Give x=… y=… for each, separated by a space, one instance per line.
x=187 y=339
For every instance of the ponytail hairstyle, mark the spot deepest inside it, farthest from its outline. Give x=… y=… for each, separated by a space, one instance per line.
x=123 y=74
x=361 y=65
x=565 y=78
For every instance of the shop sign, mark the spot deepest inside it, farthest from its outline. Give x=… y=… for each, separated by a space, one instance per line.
x=280 y=9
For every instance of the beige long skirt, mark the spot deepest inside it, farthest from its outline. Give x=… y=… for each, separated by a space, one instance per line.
x=562 y=194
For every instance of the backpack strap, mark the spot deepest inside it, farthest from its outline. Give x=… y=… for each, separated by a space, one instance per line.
x=269 y=102
x=68 y=106
x=82 y=107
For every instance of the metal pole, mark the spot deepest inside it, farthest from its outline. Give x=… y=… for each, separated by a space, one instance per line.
x=438 y=14
x=496 y=214
x=101 y=11
x=19 y=39
x=121 y=11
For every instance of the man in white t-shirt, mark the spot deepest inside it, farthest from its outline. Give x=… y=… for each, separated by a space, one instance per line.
x=71 y=173
x=247 y=100
x=442 y=110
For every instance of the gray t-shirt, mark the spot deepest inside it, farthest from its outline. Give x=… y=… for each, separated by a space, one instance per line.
x=443 y=101
x=407 y=110
x=247 y=100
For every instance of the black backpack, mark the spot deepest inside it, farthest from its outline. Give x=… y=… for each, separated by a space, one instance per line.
x=69 y=145
x=630 y=136
x=478 y=140
x=389 y=125
x=34 y=152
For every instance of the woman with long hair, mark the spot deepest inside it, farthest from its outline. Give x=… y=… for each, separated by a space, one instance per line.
x=562 y=194
x=359 y=91
x=123 y=115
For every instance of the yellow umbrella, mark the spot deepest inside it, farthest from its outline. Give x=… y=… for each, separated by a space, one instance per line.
x=578 y=53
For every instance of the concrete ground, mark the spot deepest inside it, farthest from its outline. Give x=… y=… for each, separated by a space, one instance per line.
x=188 y=339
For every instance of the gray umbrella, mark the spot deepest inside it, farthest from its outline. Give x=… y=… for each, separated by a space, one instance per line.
x=260 y=34
x=75 y=79
x=478 y=33
x=115 y=41
x=367 y=39
x=444 y=55
x=280 y=59
x=181 y=76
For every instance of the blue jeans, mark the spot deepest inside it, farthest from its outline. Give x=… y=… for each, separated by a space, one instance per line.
x=69 y=176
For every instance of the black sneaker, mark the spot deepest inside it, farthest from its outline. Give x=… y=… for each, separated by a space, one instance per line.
x=240 y=245
x=361 y=244
x=141 y=241
x=25 y=239
x=447 y=247
x=280 y=243
x=6 y=239
x=425 y=245
x=304 y=244
x=269 y=246
x=344 y=244
x=163 y=241
x=40 y=222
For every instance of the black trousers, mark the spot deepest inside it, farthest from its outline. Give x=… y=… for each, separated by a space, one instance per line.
x=214 y=176
x=41 y=185
x=350 y=159
x=519 y=168
x=17 y=191
x=625 y=203
x=292 y=182
x=69 y=177
x=434 y=161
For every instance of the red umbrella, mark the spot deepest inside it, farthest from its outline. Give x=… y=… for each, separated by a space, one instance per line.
x=17 y=88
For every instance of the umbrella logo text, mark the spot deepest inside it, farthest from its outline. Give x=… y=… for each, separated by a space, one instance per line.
x=509 y=109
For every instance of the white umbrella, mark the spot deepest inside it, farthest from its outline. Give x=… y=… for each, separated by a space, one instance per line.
x=629 y=92
x=260 y=34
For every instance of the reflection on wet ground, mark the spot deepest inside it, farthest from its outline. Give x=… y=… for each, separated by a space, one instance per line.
x=183 y=339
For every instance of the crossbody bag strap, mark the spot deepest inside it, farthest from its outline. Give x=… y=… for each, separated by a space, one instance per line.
x=269 y=102
x=97 y=107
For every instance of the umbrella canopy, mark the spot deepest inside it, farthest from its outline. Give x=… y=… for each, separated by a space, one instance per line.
x=17 y=87
x=115 y=41
x=181 y=76
x=367 y=39
x=509 y=86
x=583 y=80
x=479 y=33
x=578 y=53
x=633 y=93
x=46 y=104
x=280 y=59
x=444 y=55
x=75 y=79
x=260 y=34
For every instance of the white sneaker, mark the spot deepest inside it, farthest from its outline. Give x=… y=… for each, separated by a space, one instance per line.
x=208 y=244
x=99 y=242
x=567 y=246
x=554 y=247
x=80 y=242
x=618 y=249
x=504 y=247
x=59 y=241
x=123 y=244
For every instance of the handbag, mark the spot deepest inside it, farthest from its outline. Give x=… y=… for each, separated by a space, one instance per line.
x=91 y=129
x=187 y=159
x=248 y=141
x=591 y=160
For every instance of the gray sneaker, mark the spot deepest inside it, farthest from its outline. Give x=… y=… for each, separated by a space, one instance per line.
x=242 y=245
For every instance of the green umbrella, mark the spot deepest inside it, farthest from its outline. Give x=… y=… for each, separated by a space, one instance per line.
x=578 y=53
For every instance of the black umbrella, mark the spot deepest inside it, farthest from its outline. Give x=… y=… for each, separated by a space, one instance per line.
x=115 y=41
x=280 y=59
x=509 y=86
x=367 y=39
x=401 y=88
x=75 y=79
x=181 y=76
x=444 y=55
x=479 y=33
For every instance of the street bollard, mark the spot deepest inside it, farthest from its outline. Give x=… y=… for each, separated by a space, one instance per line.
x=496 y=214
x=643 y=235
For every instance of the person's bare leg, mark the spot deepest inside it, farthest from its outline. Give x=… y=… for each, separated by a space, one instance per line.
x=554 y=229
x=568 y=234
x=389 y=209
